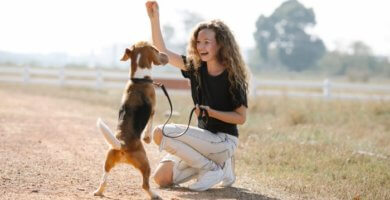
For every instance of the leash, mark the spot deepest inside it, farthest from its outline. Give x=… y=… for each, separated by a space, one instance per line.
x=202 y=111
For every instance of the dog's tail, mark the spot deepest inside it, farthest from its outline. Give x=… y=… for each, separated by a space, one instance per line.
x=108 y=134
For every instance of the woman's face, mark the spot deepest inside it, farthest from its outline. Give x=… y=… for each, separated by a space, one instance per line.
x=206 y=45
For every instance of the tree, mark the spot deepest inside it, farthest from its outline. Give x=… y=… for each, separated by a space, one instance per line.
x=285 y=31
x=357 y=64
x=360 y=48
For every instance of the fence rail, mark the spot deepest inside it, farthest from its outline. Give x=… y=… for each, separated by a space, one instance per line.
x=104 y=79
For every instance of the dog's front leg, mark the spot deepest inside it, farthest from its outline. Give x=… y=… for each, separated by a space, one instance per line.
x=148 y=131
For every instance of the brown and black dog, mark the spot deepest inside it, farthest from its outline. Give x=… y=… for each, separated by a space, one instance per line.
x=136 y=112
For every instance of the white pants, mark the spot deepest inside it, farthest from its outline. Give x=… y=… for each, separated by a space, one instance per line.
x=195 y=150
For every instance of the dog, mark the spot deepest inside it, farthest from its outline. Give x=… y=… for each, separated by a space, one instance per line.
x=136 y=113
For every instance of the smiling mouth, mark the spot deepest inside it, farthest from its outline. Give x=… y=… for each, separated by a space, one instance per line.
x=204 y=54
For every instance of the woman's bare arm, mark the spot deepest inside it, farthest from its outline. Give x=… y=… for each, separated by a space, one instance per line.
x=158 y=40
x=238 y=116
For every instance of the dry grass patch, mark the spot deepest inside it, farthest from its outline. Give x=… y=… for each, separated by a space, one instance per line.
x=313 y=148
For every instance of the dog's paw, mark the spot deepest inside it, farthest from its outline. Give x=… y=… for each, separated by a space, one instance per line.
x=154 y=196
x=98 y=193
x=147 y=139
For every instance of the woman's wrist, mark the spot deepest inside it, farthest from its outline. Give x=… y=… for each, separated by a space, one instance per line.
x=154 y=18
x=211 y=112
x=155 y=21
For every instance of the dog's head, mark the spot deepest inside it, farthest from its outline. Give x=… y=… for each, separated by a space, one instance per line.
x=142 y=55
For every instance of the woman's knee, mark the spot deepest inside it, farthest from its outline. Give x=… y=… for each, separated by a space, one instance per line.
x=163 y=174
x=157 y=135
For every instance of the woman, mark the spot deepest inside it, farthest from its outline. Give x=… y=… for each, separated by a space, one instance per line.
x=219 y=86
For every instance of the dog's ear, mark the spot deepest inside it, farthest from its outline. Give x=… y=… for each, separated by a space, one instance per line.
x=159 y=58
x=126 y=55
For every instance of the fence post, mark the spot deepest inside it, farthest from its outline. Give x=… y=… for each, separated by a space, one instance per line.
x=326 y=89
x=61 y=76
x=99 y=78
x=26 y=74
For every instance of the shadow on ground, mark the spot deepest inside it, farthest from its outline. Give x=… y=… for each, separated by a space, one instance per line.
x=220 y=193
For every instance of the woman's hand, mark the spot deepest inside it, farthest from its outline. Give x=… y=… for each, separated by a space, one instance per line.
x=198 y=107
x=152 y=9
x=206 y=108
x=197 y=110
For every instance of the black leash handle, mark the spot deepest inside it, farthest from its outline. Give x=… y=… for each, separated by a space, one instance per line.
x=204 y=114
x=170 y=114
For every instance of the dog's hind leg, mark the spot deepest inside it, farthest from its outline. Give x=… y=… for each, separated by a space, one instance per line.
x=140 y=161
x=109 y=164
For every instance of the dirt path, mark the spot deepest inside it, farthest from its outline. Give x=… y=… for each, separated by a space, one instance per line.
x=50 y=149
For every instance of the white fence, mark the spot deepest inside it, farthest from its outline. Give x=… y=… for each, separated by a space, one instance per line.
x=317 y=89
x=93 y=78
x=100 y=79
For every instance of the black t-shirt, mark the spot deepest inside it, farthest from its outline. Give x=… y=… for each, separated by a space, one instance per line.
x=214 y=92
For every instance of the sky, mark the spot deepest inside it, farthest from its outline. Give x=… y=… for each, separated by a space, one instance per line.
x=79 y=27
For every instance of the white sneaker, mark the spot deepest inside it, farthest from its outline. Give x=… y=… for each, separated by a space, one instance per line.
x=228 y=173
x=207 y=179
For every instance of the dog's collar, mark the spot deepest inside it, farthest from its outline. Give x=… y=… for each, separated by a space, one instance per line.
x=141 y=80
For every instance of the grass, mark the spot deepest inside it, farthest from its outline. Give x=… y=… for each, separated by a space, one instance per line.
x=314 y=149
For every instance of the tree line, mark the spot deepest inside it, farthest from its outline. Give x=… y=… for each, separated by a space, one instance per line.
x=284 y=44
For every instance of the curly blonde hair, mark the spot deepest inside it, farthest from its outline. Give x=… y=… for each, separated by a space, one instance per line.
x=229 y=54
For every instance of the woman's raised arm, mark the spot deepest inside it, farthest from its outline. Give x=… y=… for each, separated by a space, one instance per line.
x=158 y=40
